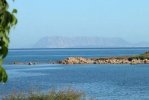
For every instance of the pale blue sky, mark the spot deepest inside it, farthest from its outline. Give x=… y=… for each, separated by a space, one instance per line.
x=128 y=19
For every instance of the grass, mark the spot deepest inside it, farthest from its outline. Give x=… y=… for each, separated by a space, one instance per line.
x=141 y=56
x=52 y=95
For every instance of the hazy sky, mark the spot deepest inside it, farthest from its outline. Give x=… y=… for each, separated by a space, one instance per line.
x=128 y=19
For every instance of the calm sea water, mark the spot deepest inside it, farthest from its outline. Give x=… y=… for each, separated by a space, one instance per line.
x=103 y=82
x=47 y=55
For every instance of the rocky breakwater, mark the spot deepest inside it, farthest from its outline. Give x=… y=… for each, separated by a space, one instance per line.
x=76 y=60
x=112 y=60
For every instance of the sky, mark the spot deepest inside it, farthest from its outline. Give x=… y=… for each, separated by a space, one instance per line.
x=127 y=19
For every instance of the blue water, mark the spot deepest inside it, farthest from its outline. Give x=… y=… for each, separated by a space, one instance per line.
x=102 y=82
x=50 y=55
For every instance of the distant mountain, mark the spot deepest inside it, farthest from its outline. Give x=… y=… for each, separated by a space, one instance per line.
x=84 y=42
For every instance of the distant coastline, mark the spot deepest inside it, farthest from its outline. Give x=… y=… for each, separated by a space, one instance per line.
x=86 y=42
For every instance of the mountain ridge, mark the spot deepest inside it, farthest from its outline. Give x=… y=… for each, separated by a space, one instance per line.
x=85 y=42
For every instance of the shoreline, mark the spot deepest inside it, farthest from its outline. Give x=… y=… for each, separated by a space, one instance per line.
x=83 y=60
x=106 y=60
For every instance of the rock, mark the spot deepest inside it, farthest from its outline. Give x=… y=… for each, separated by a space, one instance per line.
x=146 y=61
x=112 y=60
x=14 y=63
x=95 y=62
x=30 y=63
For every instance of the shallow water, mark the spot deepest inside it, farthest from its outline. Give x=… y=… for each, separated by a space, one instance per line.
x=116 y=82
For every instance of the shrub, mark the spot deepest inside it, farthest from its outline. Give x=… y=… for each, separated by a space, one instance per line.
x=141 y=56
x=52 y=95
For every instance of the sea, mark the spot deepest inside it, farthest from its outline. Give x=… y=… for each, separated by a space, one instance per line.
x=97 y=81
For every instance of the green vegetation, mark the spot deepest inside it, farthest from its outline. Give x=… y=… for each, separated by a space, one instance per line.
x=7 y=21
x=52 y=95
x=141 y=56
